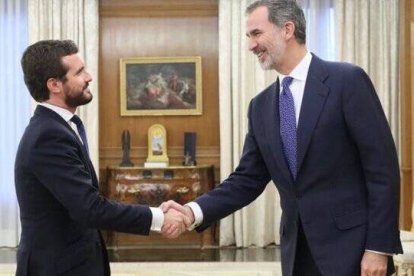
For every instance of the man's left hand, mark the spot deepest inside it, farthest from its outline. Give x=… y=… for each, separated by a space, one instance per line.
x=374 y=264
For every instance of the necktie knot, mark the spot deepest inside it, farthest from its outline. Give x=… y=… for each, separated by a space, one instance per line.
x=81 y=130
x=77 y=121
x=286 y=82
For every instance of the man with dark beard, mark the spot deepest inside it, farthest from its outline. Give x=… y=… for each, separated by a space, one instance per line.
x=56 y=184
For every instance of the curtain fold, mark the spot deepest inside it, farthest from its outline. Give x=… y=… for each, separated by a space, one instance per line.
x=77 y=20
x=14 y=111
x=368 y=35
x=240 y=79
x=320 y=27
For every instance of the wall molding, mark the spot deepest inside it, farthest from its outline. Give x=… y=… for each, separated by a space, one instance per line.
x=113 y=155
x=158 y=8
x=407 y=102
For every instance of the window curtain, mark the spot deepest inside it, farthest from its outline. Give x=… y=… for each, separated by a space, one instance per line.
x=77 y=20
x=240 y=79
x=368 y=35
x=320 y=27
x=14 y=111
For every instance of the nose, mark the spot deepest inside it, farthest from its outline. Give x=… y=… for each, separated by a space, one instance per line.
x=88 y=77
x=252 y=44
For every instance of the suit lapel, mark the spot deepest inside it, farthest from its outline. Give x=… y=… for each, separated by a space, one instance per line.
x=43 y=111
x=314 y=98
x=274 y=141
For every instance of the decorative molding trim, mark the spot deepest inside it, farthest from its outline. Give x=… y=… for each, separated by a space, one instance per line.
x=204 y=155
x=158 y=8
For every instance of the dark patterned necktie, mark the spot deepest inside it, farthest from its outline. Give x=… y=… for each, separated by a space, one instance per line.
x=288 y=125
x=81 y=131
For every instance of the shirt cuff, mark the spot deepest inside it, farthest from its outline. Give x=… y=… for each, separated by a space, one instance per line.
x=198 y=215
x=381 y=253
x=157 y=219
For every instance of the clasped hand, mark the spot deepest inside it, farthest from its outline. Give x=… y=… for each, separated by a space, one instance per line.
x=176 y=219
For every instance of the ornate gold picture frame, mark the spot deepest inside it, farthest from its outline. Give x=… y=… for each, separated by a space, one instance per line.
x=161 y=86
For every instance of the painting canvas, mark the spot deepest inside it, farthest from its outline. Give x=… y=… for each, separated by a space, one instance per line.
x=161 y=86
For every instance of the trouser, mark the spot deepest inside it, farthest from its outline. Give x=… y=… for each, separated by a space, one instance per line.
x=304 y=262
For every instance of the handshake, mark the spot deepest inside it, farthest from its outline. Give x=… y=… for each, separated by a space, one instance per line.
x=177 y=218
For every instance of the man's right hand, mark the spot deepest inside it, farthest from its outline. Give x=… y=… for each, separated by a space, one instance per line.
x=174 y=223
x=177 y=218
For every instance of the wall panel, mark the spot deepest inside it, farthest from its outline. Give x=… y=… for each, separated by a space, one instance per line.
x=143 y=28
x=407 y=71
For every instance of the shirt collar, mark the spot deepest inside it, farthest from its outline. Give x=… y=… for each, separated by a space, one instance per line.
x=64 y=113
x=300 y=72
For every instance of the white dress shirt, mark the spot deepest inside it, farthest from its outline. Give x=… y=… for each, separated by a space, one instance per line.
x=297 y=87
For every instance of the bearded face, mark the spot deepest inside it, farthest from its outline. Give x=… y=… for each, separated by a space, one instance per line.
x=266 y=40
x=76 y=95
x=269 y=52
x=76 y=84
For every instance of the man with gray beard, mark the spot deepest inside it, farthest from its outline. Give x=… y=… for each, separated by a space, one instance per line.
x=320 y=134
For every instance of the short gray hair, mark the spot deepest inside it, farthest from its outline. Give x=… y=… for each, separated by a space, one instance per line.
x=281 y=11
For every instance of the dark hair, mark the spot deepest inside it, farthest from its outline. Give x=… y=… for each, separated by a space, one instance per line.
x=281 y=11
x=42 y=61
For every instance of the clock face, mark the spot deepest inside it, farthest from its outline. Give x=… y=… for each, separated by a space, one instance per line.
x=157 y=133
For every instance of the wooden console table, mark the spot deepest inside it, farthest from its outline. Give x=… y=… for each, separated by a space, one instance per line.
x=152 y=186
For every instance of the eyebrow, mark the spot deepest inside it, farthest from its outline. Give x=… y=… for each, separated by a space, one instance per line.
x=252 y=32
x=79 y=70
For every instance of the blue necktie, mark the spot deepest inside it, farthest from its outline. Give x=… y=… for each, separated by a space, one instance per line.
x=288 y=125
x=81 y=131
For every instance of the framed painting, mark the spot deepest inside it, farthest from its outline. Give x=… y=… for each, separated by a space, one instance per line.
x=161 y=86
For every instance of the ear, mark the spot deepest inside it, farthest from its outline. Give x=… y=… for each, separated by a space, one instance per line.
x=54 y=85
x=289 y=30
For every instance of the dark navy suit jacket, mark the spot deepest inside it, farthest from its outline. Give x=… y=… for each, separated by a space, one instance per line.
x=347 y=189
x=60 y=205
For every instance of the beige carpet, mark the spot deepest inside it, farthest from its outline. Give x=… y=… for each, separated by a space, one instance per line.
x=183 y=269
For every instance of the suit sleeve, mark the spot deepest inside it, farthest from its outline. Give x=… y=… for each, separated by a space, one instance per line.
x=243 y=186
x=369 y=129
x=56 y=162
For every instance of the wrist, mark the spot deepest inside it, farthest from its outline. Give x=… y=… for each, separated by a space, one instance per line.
x=190 y=214
x=196 y=215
